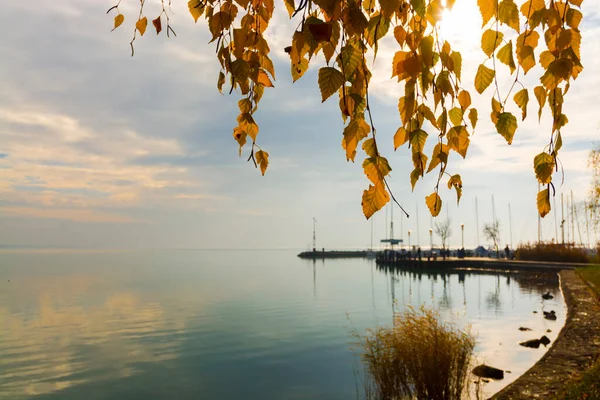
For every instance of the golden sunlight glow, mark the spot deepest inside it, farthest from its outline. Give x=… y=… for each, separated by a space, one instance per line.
x=462 y=23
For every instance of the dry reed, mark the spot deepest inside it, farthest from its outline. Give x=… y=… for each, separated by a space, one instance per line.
x=420 y=357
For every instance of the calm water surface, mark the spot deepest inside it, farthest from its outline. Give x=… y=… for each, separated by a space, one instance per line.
x=232 y=324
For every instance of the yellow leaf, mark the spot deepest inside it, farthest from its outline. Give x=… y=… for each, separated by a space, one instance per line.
x=349 y=60
x=240 y=70
x=376 y=29
x=389 y=7
x=406 y=107
x=263 y=79
x=417 y=138
x=414 y=177
x=546 y=58
x=400 y=137
x=267 y=64
x=543 y=202
x=443 y=83
x=419 y=7
x=118 y=21
x=458 y=139
x=543 y=165
x=522 y=98
x=526 y=43
x=456 y=115
x=440 y=155
x=290 y=7
x=262 y=159
x=426 y=50
x=426 y=113
x=245 y=105
x=483 y=78
x=490 y=40
x=400 y=34
x=374 y=199
x=540 y=95
x=455 y=182
x=487 y=9
x=330 y=80
x=508 y=13
x=464 y=99
x=442 y=120
x=356 y=131
x=299 y=69
x=559 y=122
x=574 y=18
x=531 y=6
x=141 y=25
x=496 y=106
x=434 y=203
x=240 y=37
x=376 y=169
x=505 y=55
x=506 y=126
x=196 y=8
x=247 y=123
x=370 y=148
x=457 y=63
x=369 y=6
x=419 y=160
x=473 y=117
x=557 y=71
x=347 y=105
x=557 y=143
x=240 y=136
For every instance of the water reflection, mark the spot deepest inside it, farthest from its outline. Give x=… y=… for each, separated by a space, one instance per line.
x=187 y=324
x=494 y=303
x=72 y=334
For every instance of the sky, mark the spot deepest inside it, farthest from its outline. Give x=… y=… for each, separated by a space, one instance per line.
x=99 y=149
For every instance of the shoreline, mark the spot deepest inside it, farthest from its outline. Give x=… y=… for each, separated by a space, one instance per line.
x=574 y=350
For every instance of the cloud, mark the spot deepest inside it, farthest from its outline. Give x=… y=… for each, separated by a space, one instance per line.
x=70 y=171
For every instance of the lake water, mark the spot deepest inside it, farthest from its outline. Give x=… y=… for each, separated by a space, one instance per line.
x=197 y=324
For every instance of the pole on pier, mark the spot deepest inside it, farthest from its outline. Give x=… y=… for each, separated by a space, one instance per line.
x=314 y=234
x=510 y=226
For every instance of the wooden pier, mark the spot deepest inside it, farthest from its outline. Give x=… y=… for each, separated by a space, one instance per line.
x=316 y=255
x=452 y=263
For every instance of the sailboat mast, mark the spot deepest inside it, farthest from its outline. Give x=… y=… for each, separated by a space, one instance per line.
x=510 y=225
x=477 y=220
x=372 y=218
x=562 y=217
x=555 y=222
x=572 y=216
x=587 y=226
x=392 y=222
x=539 y=223
x=418 y=230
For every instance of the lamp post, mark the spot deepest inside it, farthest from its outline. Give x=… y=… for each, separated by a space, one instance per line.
x=431 y=241
x=409 y=239
x=462 y=231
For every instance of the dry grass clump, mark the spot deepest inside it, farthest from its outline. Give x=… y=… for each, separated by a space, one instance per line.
x=551 y=252
x=420 y=357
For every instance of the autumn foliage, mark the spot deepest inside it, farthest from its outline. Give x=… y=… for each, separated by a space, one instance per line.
x=436 y=103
